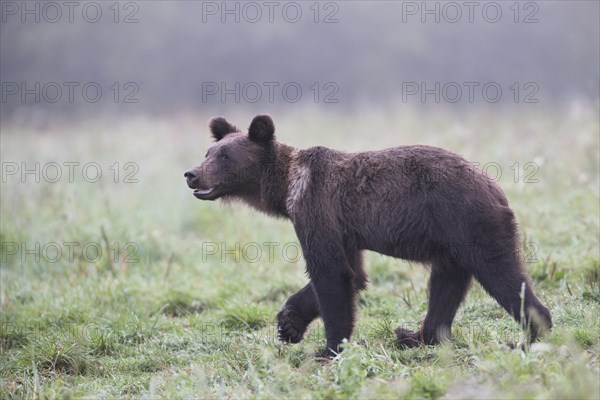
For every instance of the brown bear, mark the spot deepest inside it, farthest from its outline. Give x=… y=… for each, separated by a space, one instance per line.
x=417 y=203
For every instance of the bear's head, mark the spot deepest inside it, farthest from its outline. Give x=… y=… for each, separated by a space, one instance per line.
x=233 y=165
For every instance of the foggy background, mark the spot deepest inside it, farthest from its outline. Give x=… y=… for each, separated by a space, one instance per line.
x=104 y=105
x=162 y=58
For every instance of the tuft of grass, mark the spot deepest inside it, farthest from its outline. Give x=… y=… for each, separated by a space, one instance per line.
x=592 y=282
x=548 y=273
x=11 y=338
x=57 y=357
x=240 y=317
x=426 y=386
x=180 y=304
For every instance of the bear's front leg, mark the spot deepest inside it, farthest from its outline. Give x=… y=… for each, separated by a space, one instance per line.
x=336 y=303
x=297 y=313
x=331 y=277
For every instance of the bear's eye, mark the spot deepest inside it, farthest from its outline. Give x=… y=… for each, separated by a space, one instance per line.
x=223 y=157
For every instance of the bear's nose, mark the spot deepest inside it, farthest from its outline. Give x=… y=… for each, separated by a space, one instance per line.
x=190 y=174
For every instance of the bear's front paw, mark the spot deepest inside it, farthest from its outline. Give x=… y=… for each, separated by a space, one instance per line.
x=408 y=338
x=290 y=327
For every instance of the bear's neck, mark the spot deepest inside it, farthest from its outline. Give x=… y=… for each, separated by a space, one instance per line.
x=272 y=195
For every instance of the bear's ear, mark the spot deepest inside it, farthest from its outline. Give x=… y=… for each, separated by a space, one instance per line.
x=219 y=127
x=261 y=129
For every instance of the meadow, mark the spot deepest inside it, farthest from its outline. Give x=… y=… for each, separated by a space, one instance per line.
x=125 y=286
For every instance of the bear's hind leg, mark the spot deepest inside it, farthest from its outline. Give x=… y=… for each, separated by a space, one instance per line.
x=503 y=280
x=447 y=289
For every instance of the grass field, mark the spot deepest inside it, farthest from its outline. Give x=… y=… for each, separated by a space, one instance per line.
x=166 y=296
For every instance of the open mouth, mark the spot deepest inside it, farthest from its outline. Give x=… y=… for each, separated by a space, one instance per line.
x=205 y=194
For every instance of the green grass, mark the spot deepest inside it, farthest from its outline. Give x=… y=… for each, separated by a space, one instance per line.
x=178 y=319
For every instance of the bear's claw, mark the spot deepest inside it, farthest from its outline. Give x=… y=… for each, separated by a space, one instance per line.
x=290 y=327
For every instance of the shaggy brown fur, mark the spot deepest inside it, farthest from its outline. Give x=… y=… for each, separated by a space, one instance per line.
x=418 y=203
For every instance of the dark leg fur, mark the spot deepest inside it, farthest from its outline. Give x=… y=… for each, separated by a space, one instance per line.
x=447 y=289
x=302 y=308
x=503 y=282
x=497 y=265
x=335 y=294
x=359 y=276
